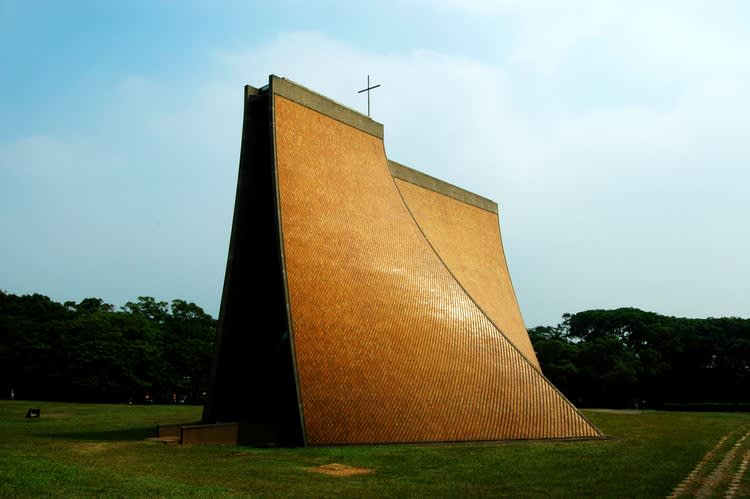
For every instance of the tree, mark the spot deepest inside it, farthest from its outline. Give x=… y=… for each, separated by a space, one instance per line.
x=189 y=336
x=558 y=359
x=155 y=311
x=88 y=351
x=626 y=355
x=28 y=352
x=116 y=356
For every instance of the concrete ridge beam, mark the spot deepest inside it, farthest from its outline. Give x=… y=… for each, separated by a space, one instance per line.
x=413 y=176
x=313 y=100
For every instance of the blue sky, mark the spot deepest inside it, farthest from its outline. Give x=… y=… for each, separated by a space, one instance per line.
x=613 y=135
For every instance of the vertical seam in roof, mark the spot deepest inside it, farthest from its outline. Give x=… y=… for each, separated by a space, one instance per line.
x=471 y=298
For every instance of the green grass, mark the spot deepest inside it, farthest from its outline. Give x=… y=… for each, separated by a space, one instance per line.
x=86 y=450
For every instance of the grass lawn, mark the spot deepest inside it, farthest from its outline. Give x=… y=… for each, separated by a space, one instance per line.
x=86 y=450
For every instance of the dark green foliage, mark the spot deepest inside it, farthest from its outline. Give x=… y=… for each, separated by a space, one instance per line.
x=628 y=358
x=88 y=351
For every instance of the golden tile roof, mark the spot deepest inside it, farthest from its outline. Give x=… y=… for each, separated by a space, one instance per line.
x=403 y=323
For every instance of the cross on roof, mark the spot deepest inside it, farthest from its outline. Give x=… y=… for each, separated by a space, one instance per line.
x=368 y=93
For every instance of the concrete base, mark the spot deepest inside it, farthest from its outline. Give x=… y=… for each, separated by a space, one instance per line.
x=199 y=434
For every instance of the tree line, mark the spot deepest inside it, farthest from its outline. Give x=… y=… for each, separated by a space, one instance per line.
x=630 y=358
x=151 y=350
x=147 y=351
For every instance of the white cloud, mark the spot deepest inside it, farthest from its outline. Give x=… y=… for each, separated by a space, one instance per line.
x=637 y=200
x=136 y=202
x=612 y=199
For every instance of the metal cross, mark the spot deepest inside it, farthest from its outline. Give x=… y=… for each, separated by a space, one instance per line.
x=368 y=93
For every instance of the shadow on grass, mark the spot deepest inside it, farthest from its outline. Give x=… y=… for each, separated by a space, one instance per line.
x=139 y=433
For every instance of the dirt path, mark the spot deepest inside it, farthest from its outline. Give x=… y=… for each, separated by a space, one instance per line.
x=720 y=471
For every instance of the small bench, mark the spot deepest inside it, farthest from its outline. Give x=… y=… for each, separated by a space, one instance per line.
x=33 y=413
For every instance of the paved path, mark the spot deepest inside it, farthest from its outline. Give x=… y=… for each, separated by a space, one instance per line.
x=722 y=471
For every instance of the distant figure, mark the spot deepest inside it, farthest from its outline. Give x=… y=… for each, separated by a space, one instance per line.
x=12 y=394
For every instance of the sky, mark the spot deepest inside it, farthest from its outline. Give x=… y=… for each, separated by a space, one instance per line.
x=613 y=135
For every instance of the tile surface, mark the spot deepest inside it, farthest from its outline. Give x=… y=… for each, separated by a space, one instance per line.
x=389 y=346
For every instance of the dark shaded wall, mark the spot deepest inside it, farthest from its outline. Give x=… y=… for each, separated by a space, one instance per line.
x=252 y=379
